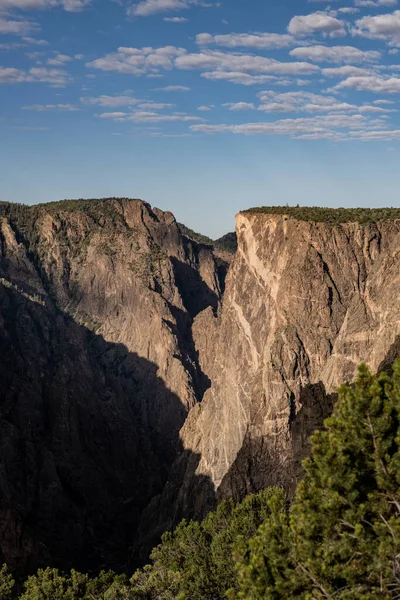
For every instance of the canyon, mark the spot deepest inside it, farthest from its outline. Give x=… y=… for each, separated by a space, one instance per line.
x=145 y=376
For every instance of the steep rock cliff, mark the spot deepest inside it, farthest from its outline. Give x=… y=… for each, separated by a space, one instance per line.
x=305 y=302
x=131 y=396
x=98 y=371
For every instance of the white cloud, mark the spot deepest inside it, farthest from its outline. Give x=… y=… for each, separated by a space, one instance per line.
x=382 y=27
x=288 y=102
x=204 y=108
x=111 y=101
x=318 y=22
x=9 y=5
x=141 y=116
x=68 y=5
x=54 y=77
x=149 y=61
x=75 y=5
x=376 y=136
x=375 y=84
x=175 y=19
x=154 y=106
x=113 y=115
x=375 y=3
x=240 y=78
x=147 y=8
x=334 y=127
x=35 y=42
x=13 y=27
x=303 y=102
x=59 y=60
x=239 y=106
x=11 y=75
x=242 y=63
x=348 y=10
x=336 y=54
x=34 y=55
x=49 y=107
x=246 y=40
x=11 y=46
x=367 y=108
x=346 y=71
x=151 y=7
x=173 y=88
x=138 y=61
x=152 y=117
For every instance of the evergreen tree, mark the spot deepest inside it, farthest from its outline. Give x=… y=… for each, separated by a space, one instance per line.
x=7 y=584
x=342 y=539
x=195 y=562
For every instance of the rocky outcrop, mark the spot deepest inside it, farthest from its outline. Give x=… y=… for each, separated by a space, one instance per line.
x=132 y=396
x=304 y=304
x=98 y=372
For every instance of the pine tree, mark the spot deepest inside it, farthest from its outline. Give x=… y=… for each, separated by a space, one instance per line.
x=342 y=537
x=346 y=518
x=7 y=584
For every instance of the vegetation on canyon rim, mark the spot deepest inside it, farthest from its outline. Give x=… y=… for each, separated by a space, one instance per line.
x=340 y=538
x=330 y=215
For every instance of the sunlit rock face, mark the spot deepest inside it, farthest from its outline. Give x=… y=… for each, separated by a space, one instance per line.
x=304 y=304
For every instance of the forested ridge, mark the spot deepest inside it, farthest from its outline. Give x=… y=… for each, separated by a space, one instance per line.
x=339 y=538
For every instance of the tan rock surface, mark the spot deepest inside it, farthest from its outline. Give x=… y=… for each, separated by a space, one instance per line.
x=304 y=304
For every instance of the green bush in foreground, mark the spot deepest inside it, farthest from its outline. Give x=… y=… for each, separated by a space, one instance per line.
x=196 y=560
x=340 y=539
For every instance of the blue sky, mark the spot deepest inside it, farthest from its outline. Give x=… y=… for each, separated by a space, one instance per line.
x=201 y=107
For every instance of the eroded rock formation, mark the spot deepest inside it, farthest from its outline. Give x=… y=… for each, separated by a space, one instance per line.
x=304 y=304
x=132 y=395
x=98 y=372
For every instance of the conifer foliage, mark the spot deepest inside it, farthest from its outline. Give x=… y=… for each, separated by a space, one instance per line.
x=341 y=538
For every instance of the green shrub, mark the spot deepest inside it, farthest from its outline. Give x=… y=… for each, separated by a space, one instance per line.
x=330 y=215
x=342 y=537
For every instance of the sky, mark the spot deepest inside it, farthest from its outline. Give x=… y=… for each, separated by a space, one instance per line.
x=201 y=107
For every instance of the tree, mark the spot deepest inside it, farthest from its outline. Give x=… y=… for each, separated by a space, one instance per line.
x=47 y=584
x=7 y=584
x=195 y=561
x=342 y=538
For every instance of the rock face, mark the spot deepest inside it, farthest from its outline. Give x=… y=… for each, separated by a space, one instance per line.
x=98 y=372
x=132 y=396
x=304 y=304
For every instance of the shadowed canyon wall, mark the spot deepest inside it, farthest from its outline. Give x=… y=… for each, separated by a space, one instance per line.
x=133 y=395
x=98 y=372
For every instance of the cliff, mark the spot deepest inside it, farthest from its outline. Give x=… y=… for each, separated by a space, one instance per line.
x=139 y=386
x=305 y=303
x=98 y=372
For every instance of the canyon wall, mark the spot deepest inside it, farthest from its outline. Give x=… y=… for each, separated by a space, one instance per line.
x=304 y=304
x=139 y=386
x=98 y=372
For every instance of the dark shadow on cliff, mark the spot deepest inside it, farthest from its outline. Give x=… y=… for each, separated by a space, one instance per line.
x=89 y=433
x=266 y=460
x=316 y=406
x=185 y=496
x=392 y=354
x=196 y=295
